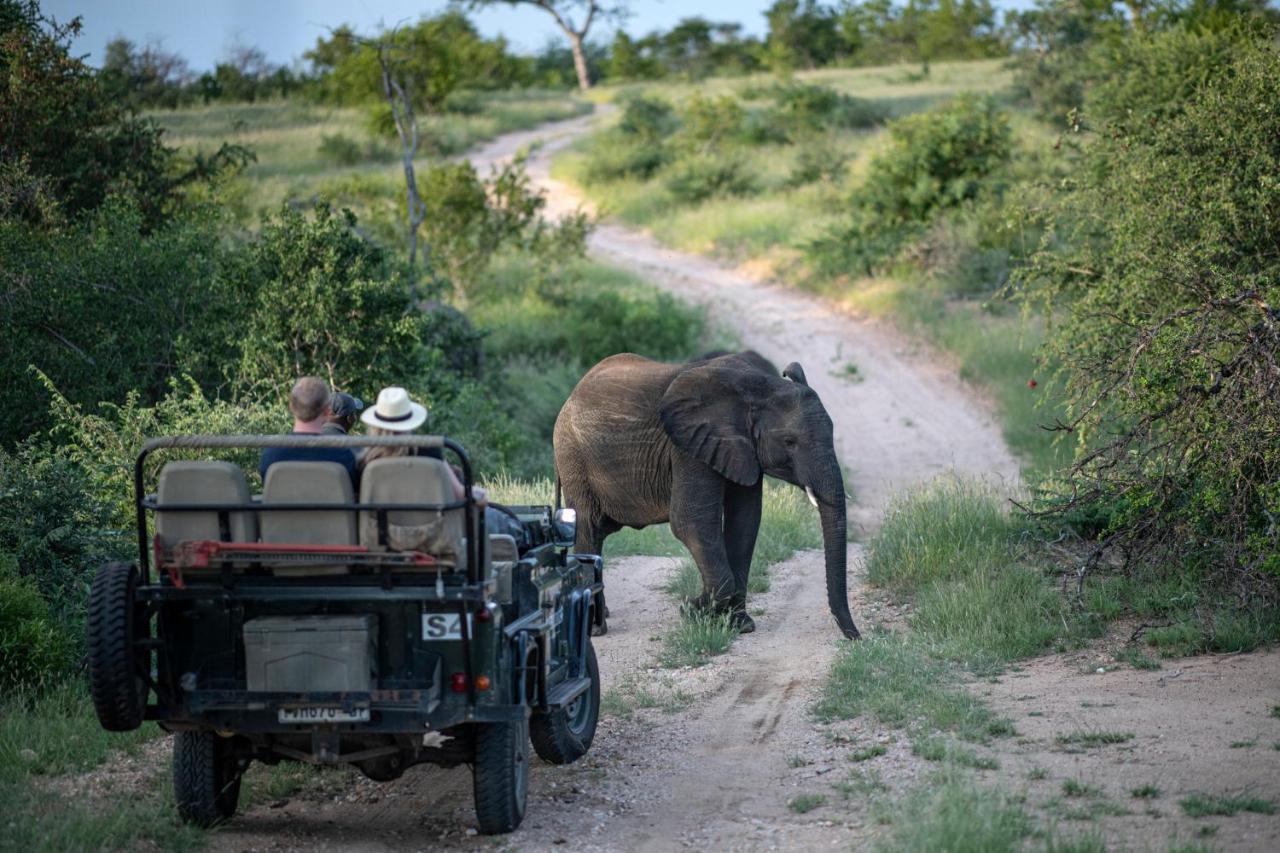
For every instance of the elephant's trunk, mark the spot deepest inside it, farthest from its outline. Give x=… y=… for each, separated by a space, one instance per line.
x=835 y=546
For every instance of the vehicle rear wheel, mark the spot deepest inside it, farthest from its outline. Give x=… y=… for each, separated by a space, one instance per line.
x=501 y=775
x=206 y=777
x=564 y=735
x=117 y=668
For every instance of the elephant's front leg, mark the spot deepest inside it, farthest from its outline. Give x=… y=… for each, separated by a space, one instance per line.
x=697 y=520
x=741 y=526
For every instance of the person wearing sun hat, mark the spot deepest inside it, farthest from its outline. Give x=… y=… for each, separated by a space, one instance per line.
x=395 y=412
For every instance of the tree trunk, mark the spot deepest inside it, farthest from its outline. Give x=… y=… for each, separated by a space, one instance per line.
x=580 y=61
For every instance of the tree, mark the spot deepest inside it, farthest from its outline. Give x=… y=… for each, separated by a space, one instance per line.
x=802 y=34
x=63 y=139
x=563 y=11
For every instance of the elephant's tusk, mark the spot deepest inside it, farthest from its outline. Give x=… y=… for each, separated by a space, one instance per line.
x=813 y=499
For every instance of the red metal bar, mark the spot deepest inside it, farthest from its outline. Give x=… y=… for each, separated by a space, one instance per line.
x=199 y=553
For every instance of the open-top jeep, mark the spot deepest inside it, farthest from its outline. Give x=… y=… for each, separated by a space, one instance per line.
x=381 y=627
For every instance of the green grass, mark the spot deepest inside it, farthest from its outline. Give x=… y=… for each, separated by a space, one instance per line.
x=860 y=783
x=1204 y=805
x=888 y=677
x=1145 y=792
x=288 y=139
x=1076 y=788
x=869 y=752
x=1092 y=739
x=49 y=737
x=633 y=694
x=934 y=748
x=956 y=816
x=805 y=803
x=1136 y=659
x=952 y=548
x=697 y=638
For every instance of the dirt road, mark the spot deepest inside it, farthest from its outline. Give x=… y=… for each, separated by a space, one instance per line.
x=710 y=758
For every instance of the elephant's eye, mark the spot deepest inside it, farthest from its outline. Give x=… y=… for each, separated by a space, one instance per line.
x=790 y=441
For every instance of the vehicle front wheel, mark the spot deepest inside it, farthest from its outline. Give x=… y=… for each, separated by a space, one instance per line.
x=206 y=777
x=501 y=775
x=564 y=735
x=117 y=667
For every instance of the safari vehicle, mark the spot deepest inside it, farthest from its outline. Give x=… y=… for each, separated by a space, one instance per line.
x=381 y=629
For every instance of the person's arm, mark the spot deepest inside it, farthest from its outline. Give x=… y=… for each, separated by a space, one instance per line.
x=460 y=491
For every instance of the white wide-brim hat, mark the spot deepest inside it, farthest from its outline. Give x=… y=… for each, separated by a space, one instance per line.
x=395 y=411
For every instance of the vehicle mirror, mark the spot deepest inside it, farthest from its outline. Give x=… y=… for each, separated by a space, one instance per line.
x=566 y=525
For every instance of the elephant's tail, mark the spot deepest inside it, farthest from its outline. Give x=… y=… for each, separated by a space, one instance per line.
x=557 y=506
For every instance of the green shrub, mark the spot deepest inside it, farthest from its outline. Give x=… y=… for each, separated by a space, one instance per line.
x=935 y=160
x=35 y=651
x=707 y=122
x=807 y=109
x=613 y=157
x=958 y=816
x=1161 y=278
x=696 y=177
x=55 y=527
x=649 y=119
x=339 y=149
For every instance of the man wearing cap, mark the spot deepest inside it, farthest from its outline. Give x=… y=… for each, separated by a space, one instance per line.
x=343 y=411
x=309 y=402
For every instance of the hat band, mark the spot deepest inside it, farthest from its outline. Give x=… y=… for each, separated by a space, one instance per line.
x=394 y=418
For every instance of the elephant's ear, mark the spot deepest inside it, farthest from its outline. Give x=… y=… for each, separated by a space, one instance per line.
x=707 y=415
x=795 y=373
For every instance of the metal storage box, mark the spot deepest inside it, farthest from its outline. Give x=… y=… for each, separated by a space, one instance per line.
x=304 y=654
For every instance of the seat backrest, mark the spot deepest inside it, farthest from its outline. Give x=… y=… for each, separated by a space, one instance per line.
x=198 y=482
x=409 y=480
x=308 y=482
x=503 y=556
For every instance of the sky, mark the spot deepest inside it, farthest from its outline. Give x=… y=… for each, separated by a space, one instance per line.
x=203 y=32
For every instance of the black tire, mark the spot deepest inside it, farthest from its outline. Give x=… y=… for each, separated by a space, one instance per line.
x=117 y=667
x=206 y=777
x=501 y=772
x=564 y=735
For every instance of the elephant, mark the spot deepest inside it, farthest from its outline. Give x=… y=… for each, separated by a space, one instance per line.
x=641 y=442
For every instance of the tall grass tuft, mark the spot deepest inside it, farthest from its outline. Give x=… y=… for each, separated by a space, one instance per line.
x=951 y=546
x=958 y=817
x=888 y=677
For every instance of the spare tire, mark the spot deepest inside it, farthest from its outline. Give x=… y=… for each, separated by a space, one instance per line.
x=117 y=665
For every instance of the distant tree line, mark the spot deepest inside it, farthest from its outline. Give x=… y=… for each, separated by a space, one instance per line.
x=448 y=53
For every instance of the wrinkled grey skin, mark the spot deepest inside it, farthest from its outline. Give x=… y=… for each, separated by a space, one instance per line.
x=641 y=442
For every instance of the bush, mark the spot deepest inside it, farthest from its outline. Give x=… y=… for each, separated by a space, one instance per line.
x=340 y=149
x=649 y=119
x=317 y=298
x=808 y=109
x=697 y=177
x=705 y=123
x=67 y=292
x=55 y=527
x=1162 y=278
x=936 y=160
x=35 y=652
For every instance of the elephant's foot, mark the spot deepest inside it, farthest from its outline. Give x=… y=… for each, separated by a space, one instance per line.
x=742 y=622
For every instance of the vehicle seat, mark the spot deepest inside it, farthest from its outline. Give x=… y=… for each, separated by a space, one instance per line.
x=503 y=556
x=308 y=482
x=200 y=482
x=410 y=480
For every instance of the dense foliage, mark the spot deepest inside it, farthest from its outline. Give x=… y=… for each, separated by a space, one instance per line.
x=934 y=161
x=1161 y=269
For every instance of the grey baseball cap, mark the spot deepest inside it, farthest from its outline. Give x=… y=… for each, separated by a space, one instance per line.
x=344 y=404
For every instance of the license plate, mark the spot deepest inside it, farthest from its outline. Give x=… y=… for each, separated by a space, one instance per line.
x=444 y=626
x=323 y=715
